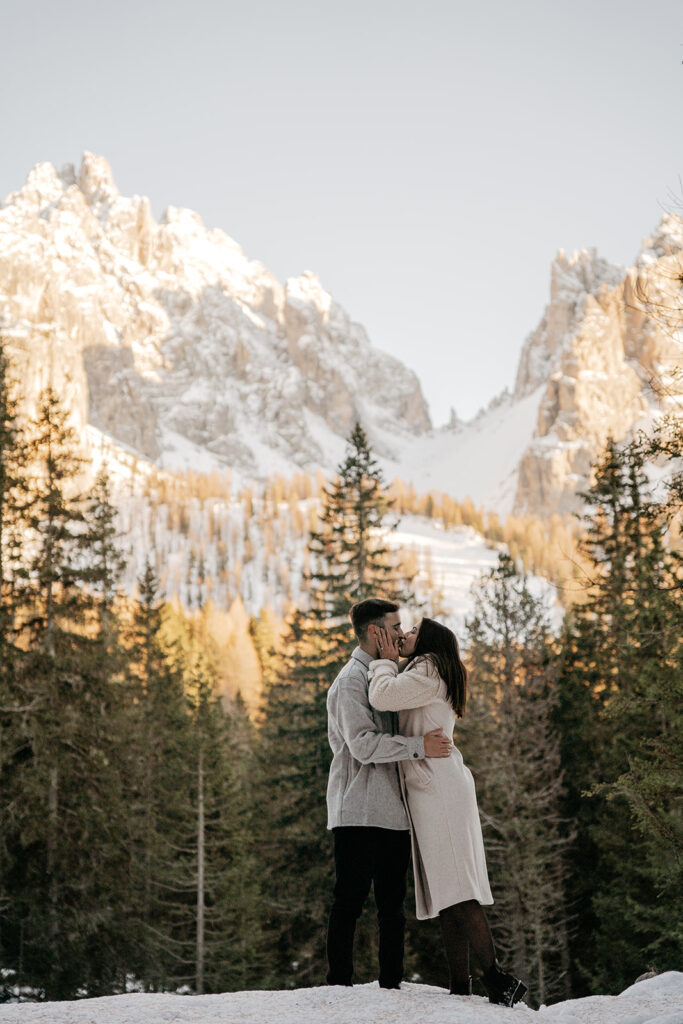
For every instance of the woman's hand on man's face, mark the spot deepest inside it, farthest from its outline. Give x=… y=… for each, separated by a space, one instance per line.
x=387 y=645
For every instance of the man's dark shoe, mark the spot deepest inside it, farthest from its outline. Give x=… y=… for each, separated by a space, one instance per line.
x=332 y=979
x=462 y=988
x=501 y=987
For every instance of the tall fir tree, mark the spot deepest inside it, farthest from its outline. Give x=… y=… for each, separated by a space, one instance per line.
x=155 y=783
x=507 y=738
x=350 y=561
x=195 y=885
x=104 y=559
x=292 y=787
x=350 y=557
x=63 y=811
x=227 y=906
x=620 y=718
x=650 y=677
x=13 y=499
x=13 y=496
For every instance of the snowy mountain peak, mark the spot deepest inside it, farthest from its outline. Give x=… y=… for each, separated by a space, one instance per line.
x=179 y=346
x=574 y=281
x=666 y=239
x=43 y=185
x=307 y=290
x=584 y=272
x=170 y=341
x=96 y=180
x=601 y=354
x=600 y=364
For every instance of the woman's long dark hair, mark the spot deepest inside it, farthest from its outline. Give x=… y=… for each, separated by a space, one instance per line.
x=442 y=646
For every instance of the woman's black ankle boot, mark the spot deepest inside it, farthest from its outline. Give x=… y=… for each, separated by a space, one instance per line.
x=462 y=988
x=501 y=987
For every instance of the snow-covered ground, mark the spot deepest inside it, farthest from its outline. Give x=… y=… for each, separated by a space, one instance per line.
x=654 y=1001
x=449 y=562
x=479 y=460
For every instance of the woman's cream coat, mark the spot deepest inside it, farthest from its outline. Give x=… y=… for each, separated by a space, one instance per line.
x=448 y=849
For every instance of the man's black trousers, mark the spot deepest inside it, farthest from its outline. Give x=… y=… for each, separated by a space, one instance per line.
x=365 y=857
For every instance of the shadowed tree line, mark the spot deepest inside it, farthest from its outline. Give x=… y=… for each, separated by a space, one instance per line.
x=152 y=835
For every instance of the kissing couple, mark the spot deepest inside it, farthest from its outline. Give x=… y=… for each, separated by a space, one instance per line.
x=398 y=783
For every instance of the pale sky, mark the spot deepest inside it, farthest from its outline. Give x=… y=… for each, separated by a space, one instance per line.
x=426 y=159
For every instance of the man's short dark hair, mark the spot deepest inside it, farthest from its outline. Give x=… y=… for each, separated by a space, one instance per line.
x=370 y=611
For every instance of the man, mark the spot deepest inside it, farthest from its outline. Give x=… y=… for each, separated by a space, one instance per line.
x=364 y=803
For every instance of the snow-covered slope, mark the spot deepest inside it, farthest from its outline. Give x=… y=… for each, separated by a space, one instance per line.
x=654 y=1001
x=601 y=363
x=479 y=460
x=239 y=545
x=233 y=544
x=449 y=562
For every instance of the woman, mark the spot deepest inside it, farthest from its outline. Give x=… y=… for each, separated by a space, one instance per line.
x=448 y=850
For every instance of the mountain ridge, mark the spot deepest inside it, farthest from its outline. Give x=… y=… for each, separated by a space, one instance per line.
x=179 y=332
x=165 y=337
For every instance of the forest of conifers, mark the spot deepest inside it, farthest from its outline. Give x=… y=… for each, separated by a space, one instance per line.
x=156 y=836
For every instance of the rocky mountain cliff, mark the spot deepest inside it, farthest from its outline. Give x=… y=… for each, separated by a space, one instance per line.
x=605 y=356
x=169 y=340
x=165 y=339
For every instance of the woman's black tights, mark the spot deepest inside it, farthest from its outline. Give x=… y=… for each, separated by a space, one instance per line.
x=464 y=925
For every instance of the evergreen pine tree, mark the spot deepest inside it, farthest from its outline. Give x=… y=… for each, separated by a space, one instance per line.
x=104 y=560
x=159 y=732
x=619 y=713
x=293 y=783
x=225 y=915
x=195 y=882
x=63 y=811
x=13 y=494
x=265 y=632
x=13 y=498
x=508 y=740
x=350 y=562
